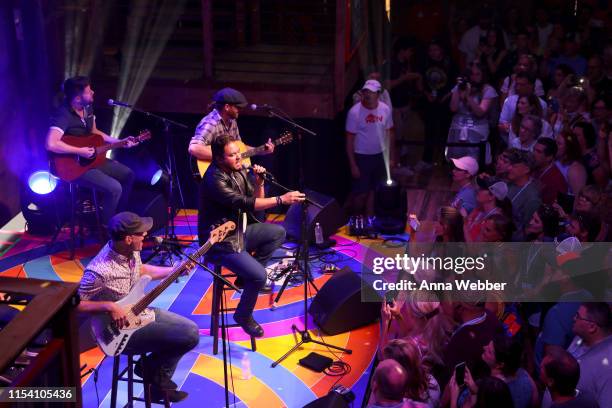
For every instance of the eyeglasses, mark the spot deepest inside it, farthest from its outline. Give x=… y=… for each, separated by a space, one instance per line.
x=578 y=317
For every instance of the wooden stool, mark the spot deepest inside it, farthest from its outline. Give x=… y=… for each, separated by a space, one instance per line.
x=218 y=288
x=76 y=216
x=120 y=376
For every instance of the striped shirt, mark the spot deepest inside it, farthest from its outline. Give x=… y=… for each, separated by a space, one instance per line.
x=212 y=126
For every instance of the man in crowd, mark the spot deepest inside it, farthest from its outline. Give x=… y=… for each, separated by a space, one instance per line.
x=547 y=173
x=523 y=191
x=370 y=148
x=464 y=170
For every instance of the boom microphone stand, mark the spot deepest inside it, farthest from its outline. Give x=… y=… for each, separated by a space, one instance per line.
x=168 y=250
x=302 y=252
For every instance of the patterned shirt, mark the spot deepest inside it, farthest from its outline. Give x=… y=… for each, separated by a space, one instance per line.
x=110 y=276
x=212 y=126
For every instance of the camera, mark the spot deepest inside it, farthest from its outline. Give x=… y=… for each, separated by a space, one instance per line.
x=462 y=83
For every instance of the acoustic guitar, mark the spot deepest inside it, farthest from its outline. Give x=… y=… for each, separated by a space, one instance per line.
x=111 y=339
x=69 y=167
x=285 y=138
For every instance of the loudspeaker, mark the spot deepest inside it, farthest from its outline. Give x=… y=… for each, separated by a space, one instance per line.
x=331 y=400
x=330 y=217
x=150 y=203
x=337 y=307
x=390 y=208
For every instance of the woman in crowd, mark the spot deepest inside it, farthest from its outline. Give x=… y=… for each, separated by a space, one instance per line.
x=573 y=109
x=569 y=161
x=496 y=228
x=491 y=199
x=527 y=105
x=422 y=386
x=471 y=100
x=491 y=54
x=561 y=82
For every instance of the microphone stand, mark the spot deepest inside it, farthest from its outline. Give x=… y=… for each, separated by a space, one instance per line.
x=302 y=254
x=170 y=168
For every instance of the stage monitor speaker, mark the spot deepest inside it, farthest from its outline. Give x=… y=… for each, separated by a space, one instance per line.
x=331 y=400
x=150 y=203
x=338 y=308
x=330 y=217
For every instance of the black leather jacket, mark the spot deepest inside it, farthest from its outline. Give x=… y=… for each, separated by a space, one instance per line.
x=224 y=197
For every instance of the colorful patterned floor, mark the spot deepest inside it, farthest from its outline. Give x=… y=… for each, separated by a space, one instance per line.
x=200 y=372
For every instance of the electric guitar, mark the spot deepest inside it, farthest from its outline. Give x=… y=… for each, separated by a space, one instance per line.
x=69 y=167
x=285 y=138
x=111 y=339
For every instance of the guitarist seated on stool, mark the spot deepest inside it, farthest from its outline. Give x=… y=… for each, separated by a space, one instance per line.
x=75 y=117
x=226 y=192
x=220 y=121
x=110 y=276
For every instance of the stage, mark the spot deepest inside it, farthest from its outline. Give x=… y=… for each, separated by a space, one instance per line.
x=200 y=373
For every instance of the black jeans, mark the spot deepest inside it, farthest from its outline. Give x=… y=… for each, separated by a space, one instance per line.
x=262 y=239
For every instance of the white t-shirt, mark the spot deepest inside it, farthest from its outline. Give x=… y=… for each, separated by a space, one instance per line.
x=369 y=126
x=509 y=107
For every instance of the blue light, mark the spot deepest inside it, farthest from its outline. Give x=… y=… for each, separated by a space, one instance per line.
x=42 y=182
x=156 y=176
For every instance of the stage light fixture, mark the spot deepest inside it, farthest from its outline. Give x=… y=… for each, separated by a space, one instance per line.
x=390 y=207
x=42 y=182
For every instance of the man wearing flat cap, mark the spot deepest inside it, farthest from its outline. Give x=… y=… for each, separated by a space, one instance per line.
x=110 y=276
x=523 y=191
x=227 y=103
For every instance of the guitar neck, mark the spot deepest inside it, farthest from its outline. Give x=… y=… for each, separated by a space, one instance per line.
x=178 y=271
x=111 y=146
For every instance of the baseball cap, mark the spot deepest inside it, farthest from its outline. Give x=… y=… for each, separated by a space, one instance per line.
x=568 y=249
x=231 y=97
x=127 y=223
x=496 y=186
x=372 y=85
x=467 y=163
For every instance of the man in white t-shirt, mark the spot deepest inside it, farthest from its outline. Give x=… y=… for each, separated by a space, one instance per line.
x=369 y=147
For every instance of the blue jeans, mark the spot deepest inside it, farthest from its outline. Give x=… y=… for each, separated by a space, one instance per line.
x=114 y=180
x=262 y=240
x=168 y=338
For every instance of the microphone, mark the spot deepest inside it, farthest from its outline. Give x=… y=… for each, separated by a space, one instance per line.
x=266 y=174
x=113 y=102
x=260 y=107
x=165 y=241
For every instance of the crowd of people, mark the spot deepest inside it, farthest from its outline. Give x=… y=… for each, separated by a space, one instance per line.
x=520 y=107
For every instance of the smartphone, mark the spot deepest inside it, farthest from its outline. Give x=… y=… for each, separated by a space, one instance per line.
x=390 y=297
x=460 y=374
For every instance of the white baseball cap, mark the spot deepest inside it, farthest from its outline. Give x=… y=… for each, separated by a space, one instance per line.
x=372 y=85
x=467 y=163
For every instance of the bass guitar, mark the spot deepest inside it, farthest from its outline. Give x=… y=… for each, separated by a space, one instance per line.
x=69 y=167
x=111 y=339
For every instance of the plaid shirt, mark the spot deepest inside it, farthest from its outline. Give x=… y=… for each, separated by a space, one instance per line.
x=212 y=126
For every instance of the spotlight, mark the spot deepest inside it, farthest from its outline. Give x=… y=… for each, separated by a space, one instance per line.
x=156 y=176
x=39 y=193
x=42 y=182
x=390 y=207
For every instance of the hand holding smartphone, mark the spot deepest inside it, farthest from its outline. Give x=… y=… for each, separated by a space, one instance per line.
x=460 y=374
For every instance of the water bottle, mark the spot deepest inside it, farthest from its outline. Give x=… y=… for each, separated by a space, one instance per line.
x=318 y=234
x=246 y=366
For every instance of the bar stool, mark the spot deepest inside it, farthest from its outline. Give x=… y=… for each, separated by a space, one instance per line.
x=77 y=215
x=120 y=376
x=219 y=287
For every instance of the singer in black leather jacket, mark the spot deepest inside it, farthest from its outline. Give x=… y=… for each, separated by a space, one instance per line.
x=227 y=192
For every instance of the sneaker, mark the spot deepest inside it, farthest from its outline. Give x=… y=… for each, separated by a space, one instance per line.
x=250 y=326
x=423 y=166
